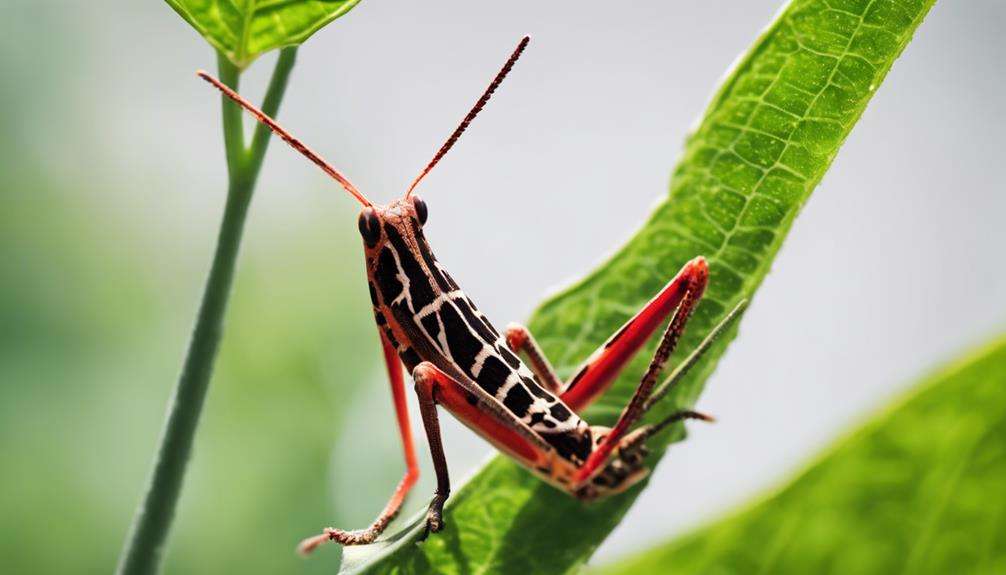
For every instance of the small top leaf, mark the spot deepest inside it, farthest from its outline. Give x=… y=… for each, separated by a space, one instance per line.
x=244 y=29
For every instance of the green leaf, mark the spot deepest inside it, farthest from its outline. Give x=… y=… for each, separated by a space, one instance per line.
x=919 y=489
x=244 y=29
x=763 y=145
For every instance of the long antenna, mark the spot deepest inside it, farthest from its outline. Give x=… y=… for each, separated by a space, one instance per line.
x=472 y=113
x=287 y=137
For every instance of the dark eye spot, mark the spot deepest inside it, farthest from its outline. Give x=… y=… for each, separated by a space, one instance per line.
x=370 y=227
x=420 y=206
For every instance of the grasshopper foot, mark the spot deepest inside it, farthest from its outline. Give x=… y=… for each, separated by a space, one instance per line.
x=434 y=517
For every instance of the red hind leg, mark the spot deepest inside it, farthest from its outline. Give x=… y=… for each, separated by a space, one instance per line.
x=604 y=365
x=633 y=440
x=693 y=286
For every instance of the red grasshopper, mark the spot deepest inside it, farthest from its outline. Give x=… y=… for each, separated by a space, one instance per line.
x=460 y=361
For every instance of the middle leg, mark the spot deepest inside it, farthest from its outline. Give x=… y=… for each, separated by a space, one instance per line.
x=520 y=340
x=428 y=380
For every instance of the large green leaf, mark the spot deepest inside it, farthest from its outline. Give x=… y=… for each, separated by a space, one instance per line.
x=920 y=489
x=763 y=145
x=245 y=29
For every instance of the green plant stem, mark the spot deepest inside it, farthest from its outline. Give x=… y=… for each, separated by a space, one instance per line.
x=145 y=544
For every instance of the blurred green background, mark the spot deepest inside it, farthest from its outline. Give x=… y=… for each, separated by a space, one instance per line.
x=98 y=293
x=112 y=182
x=95 y=311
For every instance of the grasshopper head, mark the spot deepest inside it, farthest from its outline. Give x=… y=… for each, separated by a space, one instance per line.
x=407 y=215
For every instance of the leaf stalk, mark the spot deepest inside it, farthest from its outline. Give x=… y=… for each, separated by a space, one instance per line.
x=145 y=543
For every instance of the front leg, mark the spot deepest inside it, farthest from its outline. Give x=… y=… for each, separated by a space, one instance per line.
x=394 y=505
x=429 y=380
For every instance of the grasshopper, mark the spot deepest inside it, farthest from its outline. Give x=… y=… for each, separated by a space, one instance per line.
x=459 y=361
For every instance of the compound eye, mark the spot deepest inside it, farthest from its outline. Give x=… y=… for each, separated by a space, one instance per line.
x=370 y=227
x=420 y=206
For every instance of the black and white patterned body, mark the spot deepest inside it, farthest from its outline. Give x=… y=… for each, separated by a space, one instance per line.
x=427 y=317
